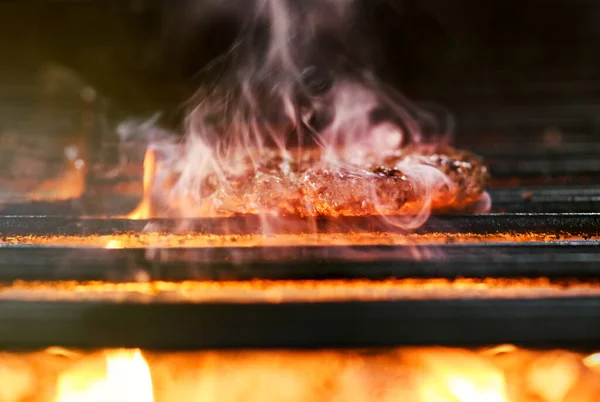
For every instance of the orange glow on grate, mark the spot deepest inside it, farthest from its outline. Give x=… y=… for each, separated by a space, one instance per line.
x=192 y=240
x=266 y=291
x=114 y=244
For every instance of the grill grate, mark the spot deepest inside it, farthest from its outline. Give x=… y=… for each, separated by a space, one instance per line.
x=504 y=245
x=547 y=187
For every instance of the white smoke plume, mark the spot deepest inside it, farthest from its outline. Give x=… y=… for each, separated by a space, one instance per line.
x=296 y=78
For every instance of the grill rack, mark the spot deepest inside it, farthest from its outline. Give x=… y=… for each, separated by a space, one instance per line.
x=468 y=322
x=540 y=189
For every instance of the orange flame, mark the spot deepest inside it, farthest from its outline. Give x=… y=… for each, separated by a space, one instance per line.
x=124 y=377
x=69 y=185
x=144 y=209
x=593 y=361
x=427 y=374
x=459 y=376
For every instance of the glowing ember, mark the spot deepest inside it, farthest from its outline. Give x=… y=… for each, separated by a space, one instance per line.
x=114 y=244
x=124 y=377
x=434 y=374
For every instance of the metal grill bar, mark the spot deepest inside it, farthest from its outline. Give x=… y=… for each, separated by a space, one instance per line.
x=539 y=161
x=571 y=199
x=587 y=165
x=575 y=223
x=573 y=322
x=555 y=261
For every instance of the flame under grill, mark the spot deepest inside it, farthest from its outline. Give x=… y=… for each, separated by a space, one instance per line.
x=500 y=374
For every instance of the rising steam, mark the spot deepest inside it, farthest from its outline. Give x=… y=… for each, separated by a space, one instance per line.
x=292 y=124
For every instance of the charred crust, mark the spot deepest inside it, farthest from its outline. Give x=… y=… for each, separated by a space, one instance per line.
x=300 y=183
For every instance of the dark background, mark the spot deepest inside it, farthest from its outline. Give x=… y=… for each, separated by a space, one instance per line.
x=504 y=67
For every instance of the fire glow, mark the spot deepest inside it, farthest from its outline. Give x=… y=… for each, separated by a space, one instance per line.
x=125 y=378
x=144 y=209
x=437 y=374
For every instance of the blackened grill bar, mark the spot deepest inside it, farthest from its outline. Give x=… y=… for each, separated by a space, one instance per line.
x=573 y=223
x=564 y=260
x=540 y=199
x=545 y=322
x=573 y=257
x=549 y=165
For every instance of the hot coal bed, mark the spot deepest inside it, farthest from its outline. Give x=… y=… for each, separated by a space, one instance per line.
x=495 y=307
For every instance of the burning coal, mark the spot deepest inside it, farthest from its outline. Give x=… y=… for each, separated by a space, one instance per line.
x=298 y=124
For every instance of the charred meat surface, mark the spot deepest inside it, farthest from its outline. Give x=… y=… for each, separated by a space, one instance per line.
x=414 y=180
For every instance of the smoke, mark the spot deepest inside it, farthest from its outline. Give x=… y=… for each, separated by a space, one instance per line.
x=296 y=91
x=300 y=72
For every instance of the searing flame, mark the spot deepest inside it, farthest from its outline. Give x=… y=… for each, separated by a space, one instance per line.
x=428 y=374
x=124 y=377
x=467 y=389
x=455 y=375
x=144 y=209
x=593 y=361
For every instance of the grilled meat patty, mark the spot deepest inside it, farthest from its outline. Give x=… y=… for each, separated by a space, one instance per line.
x=305 y=183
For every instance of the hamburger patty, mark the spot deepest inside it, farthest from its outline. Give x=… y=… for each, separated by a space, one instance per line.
x=307 y=183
